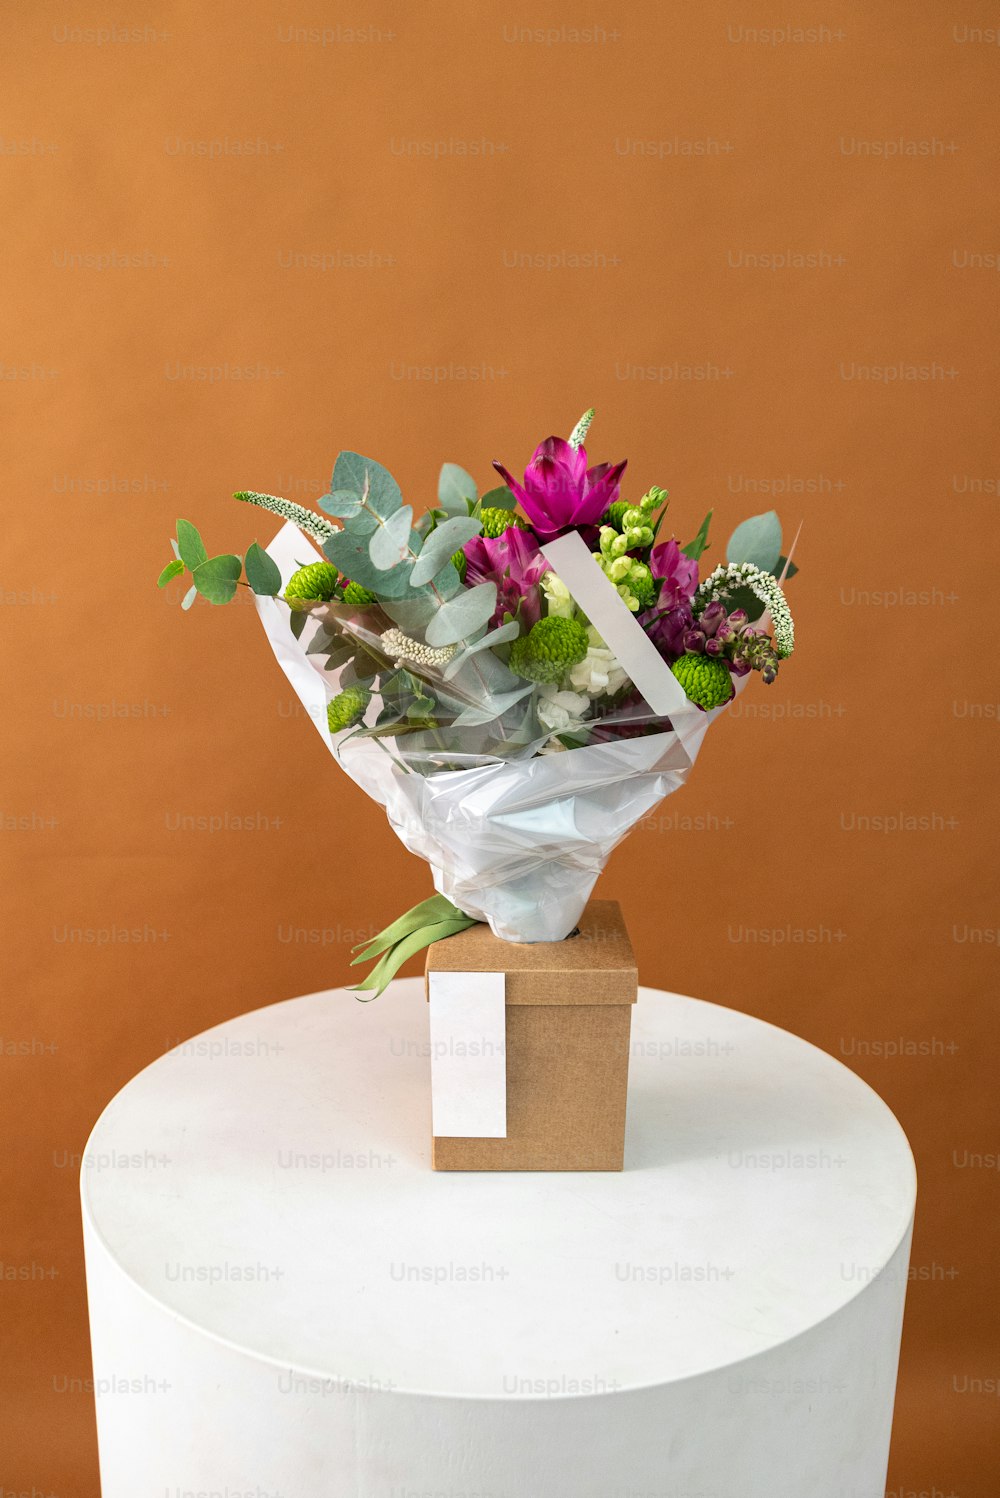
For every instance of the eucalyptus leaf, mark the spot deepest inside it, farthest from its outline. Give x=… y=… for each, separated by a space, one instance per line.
x=462 y=615
x=390 y=542
x=779 y=568
x=456 y=489
x=495 y=707
x=441 y=545
x=172 y=569
x=350 y=553
x=362 y=523
x=412 y=615
x=322 y=642
x=498 y=636
x=263 y=573
x=216 y=579
x=365 y=477
x=189 y=597
x=190 y=545
x=344 y=503
x=447 y=583
x=483 y=674
x=757 y=540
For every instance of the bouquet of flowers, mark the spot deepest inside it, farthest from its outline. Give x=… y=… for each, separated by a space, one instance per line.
x=517 y=677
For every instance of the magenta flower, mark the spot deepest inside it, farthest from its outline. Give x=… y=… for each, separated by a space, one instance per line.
x=560 y=491
x=667 y=628
x=514 y=562
x=679 y=573
x=669 y=620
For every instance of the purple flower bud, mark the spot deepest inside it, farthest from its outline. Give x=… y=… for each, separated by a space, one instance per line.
x=694 y=641
x=738 y=618
x=713 y=647
x=712 y=617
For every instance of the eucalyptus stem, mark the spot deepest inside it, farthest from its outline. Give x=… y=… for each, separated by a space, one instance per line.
x=364 y=505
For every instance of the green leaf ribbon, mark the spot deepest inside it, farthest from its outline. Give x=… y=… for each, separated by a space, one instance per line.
x=430 y=921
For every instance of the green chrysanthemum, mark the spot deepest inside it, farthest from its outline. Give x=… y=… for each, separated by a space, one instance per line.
x=705 y=680
x=317 y=582
x=347 y=707
x=459 y=563
x=359 y=597
x=496 y=521
x=550 y=649
x=614 y=513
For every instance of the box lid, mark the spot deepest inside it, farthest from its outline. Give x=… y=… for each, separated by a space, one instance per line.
x=596 y=966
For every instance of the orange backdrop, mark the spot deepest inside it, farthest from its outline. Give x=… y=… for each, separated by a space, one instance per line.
x=762 y=242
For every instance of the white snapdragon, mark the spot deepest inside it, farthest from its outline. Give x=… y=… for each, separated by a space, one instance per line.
x=561 y=712
x=558 y=598
x=599 y=673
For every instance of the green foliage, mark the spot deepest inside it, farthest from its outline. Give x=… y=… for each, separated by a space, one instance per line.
x=456 y=490
x=462 y=615
x=369 y=481
x=476 y=714
x=500 y=636
x=757 y=540
x=343 y=503
x=438 y=548
x=262 y=572
x=172 y=569
x=190 y=546
x=350 y=552
x=699 y=545
x=432 y=920
x=389 y=542
x=216 y=578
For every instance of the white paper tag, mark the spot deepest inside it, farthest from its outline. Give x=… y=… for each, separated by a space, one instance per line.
x=468 y=1057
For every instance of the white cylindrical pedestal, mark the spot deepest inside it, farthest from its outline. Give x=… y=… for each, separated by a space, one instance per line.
x=286 y=1300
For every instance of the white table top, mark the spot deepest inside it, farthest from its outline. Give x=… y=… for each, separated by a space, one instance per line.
x=270 y=1183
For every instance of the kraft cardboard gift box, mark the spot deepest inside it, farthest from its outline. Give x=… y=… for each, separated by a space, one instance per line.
x=567 y=1014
